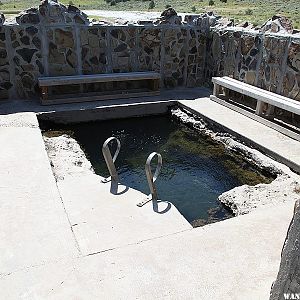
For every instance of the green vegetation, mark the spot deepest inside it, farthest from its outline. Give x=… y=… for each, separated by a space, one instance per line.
x=151 y=4
x=261 y=10
x=249 y=12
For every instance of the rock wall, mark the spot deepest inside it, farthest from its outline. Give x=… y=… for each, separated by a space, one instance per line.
x=31 y=51
x=54 y=40
x=268 y=60
x=287 y=283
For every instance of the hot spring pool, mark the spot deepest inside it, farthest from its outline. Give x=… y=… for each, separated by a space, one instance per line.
x=196 y=169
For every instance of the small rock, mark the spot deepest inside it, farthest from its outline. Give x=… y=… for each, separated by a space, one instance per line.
x=26 y=53
x=27 y=81
x=28 y=18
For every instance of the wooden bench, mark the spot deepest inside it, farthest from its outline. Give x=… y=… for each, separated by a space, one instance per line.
x=222 y=86
x=46 y=82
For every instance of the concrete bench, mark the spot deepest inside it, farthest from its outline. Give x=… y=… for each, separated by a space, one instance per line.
x=46 y=82
x=261 y=96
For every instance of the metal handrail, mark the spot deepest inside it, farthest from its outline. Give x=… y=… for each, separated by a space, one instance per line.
x=152 y=178
x=110 y=161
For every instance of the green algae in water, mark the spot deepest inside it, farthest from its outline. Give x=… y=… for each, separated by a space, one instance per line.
x=196 y=169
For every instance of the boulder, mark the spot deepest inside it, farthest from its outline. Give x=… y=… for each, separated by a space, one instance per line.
x=209 y=20
x=246 y=25
x=288 y=278
x=169 y=16
x=277 y=24
x=51 y=11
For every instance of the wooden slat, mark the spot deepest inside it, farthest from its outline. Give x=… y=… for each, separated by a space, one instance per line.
x=77 y=79
x=98 y=97
x=259 y=94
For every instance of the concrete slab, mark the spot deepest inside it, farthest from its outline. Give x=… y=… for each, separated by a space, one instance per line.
x=268 y=140
x=166 y=95
x=26 y=119
x=103 y=110
x=34 y=228
x=126 y=252
x=236 y=259
x=102 y=220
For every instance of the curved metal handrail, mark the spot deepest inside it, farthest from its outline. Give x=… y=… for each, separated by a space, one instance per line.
x=110 y=161
x=152 y=178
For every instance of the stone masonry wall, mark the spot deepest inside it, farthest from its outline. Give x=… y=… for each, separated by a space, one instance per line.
x=5 y=83
x=29 y=52
x=267 y=60
x=54 y=40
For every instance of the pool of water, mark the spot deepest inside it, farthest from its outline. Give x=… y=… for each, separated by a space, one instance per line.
x=196 y=169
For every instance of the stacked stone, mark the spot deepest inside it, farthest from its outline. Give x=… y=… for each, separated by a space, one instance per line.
x=93 y=41
x=54 y=40
x=62 y=58
x=196 y=55
x=5 y=83
x=277 y=24
x=27 y=57
x=50 y=11
x=149 y=49
x=174 y=56
x=170 y=17
x=122 y=43
x=291 y=79
x=267 y=57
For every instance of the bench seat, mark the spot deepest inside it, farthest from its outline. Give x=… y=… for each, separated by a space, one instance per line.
x=46 y=82
x=261 y=96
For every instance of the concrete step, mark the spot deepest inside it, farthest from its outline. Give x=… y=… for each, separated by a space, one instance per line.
x=103 y=220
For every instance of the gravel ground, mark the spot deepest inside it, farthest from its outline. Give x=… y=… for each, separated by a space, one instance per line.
x=123 y=16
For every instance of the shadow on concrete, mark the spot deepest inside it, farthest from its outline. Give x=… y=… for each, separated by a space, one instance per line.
x=158 y=204
x=117 y=188
x=34 y=105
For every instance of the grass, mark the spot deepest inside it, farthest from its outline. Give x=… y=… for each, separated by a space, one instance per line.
x=255 y=11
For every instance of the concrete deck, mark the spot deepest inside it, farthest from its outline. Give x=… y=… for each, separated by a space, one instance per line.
x=75 y=240
x=102 y=220
x=34 y=226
